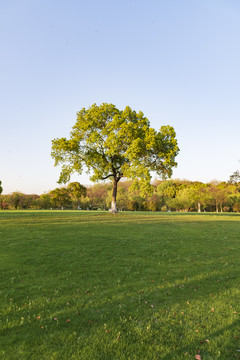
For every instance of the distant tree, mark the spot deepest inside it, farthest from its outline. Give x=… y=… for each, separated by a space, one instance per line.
x=199 y=195
x=122 y=198
x=154 y=202
x=28 y=201
x=182 y=201
x=77 y=191
x=219 y=194
x=114 y=144
x=4 y=202
x=234 y=201
x=86 y=203
x=1 y=189
x=136 y=202
x=235 y=177
x=15 y=199
x=98 y=194
x=45 y=201
x=167 y=189
x=60 y=197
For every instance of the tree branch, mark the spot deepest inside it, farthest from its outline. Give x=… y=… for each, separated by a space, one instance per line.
x=106 y=177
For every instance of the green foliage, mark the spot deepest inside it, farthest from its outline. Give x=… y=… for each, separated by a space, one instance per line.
x=183 y=200
x=98 y=194
x=234 y=201
x=235 y=178
x=176 y=195
x=77 y=190
x=60 y=197
x=1 y=189
x=45 y=202
x=4 y=202
x=111 y=143
x=167 y=189
x=15 y=199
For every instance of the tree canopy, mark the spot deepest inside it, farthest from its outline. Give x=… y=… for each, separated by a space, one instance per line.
x=235 y=177
x=113 y=143
x=1 y=189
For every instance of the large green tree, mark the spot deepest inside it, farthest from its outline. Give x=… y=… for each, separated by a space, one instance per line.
x=112 y=143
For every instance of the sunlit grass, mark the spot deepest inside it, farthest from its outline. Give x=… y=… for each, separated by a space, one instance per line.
x=92 y=285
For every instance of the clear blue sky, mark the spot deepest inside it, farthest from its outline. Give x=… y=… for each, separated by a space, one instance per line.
x=177 y=61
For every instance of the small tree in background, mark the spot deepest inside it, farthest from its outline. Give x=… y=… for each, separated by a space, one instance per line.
x=235 y=177
x=15 y=199
x=77 y=191
x=60 y=197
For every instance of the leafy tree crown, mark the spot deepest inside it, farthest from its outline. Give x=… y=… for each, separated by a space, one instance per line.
x=115 y=143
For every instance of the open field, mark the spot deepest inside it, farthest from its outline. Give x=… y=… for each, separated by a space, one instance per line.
x=92 y=285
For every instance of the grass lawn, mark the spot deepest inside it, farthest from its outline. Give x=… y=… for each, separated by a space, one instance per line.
x=138 y=286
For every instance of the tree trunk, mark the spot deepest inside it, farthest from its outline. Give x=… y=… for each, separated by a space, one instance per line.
x=114 y=197
x=216 y=207
x=199 y=207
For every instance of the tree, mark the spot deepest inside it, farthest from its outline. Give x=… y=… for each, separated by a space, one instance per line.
x=199 y=194
x=235 y=177
x=15 y=199
x=182 y=201
x=60 y=197
x=113 y=144
x=234 y=200
x=4 y=202
x=77 y=191
x=1 y=189
x=167 y=190
x=44 y=201
x=219 y=194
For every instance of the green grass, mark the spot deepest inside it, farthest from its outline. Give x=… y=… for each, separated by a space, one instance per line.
x=92 y=285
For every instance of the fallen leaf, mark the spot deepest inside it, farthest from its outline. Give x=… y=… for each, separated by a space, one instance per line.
x=68 y=320
x=212 y=309
x=198 y=357
x=55 y=318
x=38 y=317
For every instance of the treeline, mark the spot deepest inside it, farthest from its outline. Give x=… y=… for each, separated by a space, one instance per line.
x=170 y=195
